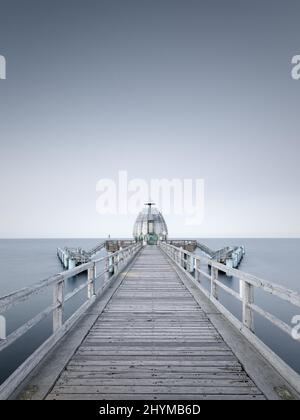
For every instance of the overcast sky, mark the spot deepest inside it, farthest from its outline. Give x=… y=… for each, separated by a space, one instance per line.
x=160 y=88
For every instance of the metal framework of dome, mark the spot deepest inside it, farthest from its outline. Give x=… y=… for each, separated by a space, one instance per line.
x=150 y=225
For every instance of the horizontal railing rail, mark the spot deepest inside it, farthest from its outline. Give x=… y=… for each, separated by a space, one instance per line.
x=190 y=263
x=113 y=264
x=96 y=249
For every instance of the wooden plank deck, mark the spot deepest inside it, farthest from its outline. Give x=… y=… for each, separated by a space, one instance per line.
x=153 y=341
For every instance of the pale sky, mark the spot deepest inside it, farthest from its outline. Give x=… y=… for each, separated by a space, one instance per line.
x=161 y=89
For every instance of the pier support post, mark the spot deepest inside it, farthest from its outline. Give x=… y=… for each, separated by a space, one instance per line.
x=58 y=299
x=197 y=268
x=185 y=262
x=117 y=262
x=248 y=298
x=72 y=263
x=65 y=259
x=213 y=288
x=91 y=282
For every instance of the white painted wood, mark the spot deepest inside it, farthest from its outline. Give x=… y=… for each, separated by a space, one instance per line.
x=91 y=291
x=214 y=277
x=58 y=302
x=248 y=299
x=8 y=301
x=228 y=290
x=78 y=289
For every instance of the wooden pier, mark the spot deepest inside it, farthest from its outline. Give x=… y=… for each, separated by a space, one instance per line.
x=153 y=341
x=154 y=333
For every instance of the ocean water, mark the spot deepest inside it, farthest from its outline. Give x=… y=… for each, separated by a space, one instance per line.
x=27 y=261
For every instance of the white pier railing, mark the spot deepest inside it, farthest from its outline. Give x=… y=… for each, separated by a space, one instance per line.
x=190 y=264
x=113 y=263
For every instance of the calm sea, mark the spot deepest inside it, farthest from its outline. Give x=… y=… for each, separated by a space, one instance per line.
x=27 y=261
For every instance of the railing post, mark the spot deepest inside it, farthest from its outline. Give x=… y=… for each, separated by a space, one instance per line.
x=197 y=268
x=181 y=257
x=214 y=277
x=117 y=262
x=58 y=299
x=112 y=265
x=191 y=263
x=91 y=282
x=248 y=298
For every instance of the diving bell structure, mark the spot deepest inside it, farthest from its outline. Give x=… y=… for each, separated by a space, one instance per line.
x=150 y=226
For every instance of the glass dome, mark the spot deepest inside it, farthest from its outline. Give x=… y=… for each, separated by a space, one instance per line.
x=150 y=225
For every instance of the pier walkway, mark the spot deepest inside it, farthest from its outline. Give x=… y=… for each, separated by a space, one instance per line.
x=152 y=331
x=153 y=341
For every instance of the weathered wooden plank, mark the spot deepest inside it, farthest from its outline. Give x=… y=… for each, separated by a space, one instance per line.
x=190 y=382
x=96 y=352
x=152 y=374
x=156 y=346
x=138 y=396
x=157 y=389
x=159 y=343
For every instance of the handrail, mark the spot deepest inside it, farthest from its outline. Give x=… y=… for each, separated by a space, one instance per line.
x=272 y=288
x=113 y=264
x=190 y=264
